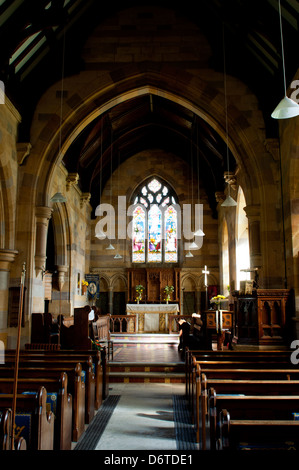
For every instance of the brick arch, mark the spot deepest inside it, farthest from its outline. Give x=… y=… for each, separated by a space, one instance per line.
x=90 y=102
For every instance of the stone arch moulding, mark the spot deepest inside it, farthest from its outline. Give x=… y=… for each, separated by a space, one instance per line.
x=241 y=141
x=119 y=277
x=61 y=234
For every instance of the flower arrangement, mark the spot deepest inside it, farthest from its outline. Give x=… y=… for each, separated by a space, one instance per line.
x=168 y=290
x=139 y=290
x=217 y=299
x=84 y=283
x=96 y=345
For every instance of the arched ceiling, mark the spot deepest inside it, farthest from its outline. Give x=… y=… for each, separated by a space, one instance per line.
x=32 y=32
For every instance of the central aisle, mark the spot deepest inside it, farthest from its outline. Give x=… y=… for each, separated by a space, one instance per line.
x=143 y=418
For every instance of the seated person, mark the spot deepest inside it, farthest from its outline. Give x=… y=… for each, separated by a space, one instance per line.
x=199 y=340
x=184 y=332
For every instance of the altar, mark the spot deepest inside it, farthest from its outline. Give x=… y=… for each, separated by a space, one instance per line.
x=152 y=318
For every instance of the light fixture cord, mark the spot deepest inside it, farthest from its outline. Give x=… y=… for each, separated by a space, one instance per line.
x=282 y=49
x=225 y=102
x=62 y=90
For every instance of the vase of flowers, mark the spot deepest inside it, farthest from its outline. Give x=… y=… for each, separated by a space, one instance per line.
x=84 y=285
x=217 y=299
x=96 y=345
x=139 y=291
x=168 y=291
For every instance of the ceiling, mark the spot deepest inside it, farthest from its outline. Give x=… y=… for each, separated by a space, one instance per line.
x=32 y=32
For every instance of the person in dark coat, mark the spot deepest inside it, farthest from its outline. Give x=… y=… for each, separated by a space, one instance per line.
x=184 y=333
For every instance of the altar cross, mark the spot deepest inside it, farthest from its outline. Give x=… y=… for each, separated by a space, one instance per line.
x=206 y=272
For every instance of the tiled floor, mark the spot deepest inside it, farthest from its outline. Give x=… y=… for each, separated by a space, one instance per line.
x=147 y=353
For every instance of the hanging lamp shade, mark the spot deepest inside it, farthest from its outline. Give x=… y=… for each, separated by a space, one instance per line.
x=58 y=197
x=229 y=202
x=287 y=108
x=110 y=247
x=117 y=256
x=189 y=255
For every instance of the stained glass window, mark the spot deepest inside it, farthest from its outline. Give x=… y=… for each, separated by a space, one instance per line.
x=139 y=219
x=170 y=218
x=154 y=234
x=155 y=224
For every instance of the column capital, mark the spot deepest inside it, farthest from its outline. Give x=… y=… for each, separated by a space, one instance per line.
x=84 y=199
x=6 y=258
x=43 y=212
x=230 y=178
x=253 y=212
x=71 y=180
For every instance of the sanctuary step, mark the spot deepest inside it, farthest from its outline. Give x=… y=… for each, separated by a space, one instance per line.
x=151 y=373
x=144 y=338
x=146 y=358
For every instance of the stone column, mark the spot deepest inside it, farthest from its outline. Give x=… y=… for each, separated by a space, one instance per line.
x=7 y=257
x=42 y=215
x=111 y=300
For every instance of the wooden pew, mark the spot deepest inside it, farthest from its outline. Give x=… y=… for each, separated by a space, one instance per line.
x=213 y=358
x=64 y=403
x=5 y=427
x=99 y=364
x=228 y=360
x=41 y=361
x=258 y=407
x=258 y=434
x=42 y=421
x=237 y=388
x=57 y=386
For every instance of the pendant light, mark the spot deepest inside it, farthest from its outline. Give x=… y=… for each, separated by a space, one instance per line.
x=99 y=233
x=111 y=247
x=199 y=232
x=59 y=197
x=118 y=256
x=193 y=245
x=229 y=201
x=189 y=254
x=287 y=108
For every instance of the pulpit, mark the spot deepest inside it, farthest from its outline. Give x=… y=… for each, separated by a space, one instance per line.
x=262 y=316
x=152 y=318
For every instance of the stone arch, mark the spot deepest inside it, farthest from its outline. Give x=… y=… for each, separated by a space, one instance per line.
x=119 y=280
x=62 y=236
x=104 y=282
x=199 y=97
x=189 y=280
